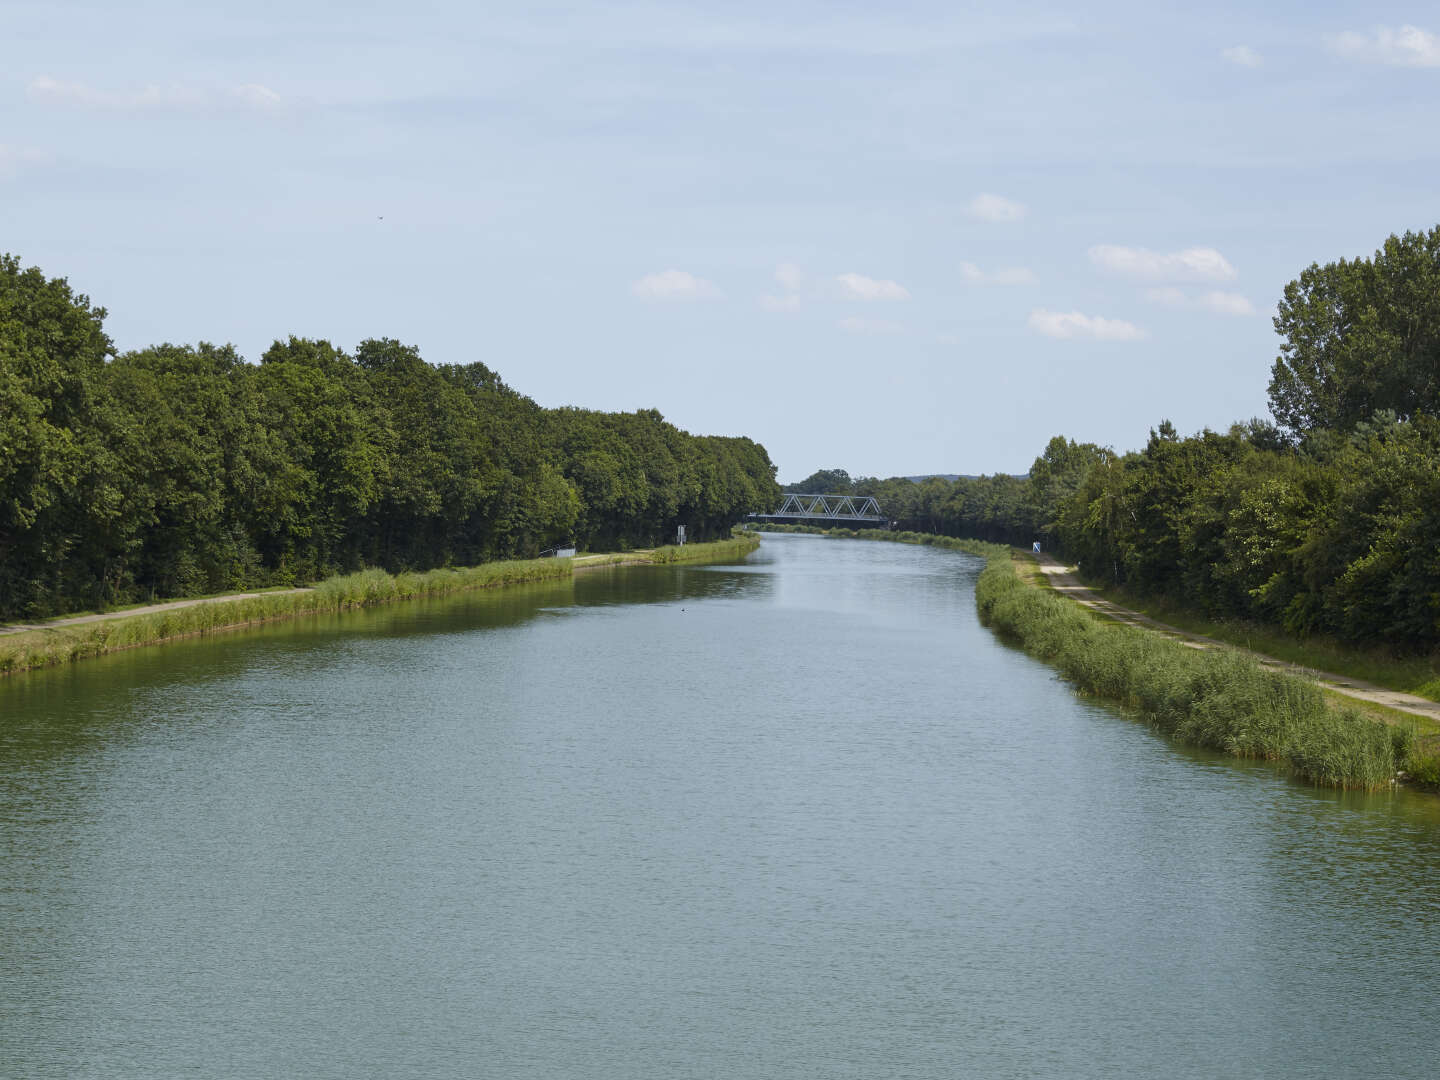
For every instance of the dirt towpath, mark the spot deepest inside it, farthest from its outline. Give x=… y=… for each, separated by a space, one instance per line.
x=1063 y=579
x=584 y=562
x=76 y=620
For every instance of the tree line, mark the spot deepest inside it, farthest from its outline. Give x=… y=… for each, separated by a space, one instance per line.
x=180 y=470
x=1325 y=520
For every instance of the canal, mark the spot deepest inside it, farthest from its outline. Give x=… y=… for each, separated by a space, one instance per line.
x=800 y=816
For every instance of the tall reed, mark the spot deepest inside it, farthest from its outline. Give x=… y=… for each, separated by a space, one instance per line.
x=711 y=551
x=1217 y=698
x=64 y=644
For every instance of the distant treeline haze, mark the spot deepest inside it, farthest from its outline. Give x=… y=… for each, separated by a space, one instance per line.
x=1325 y=521
x=181 y=470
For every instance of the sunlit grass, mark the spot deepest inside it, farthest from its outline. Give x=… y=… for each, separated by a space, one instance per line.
x=64 y=644
x=1418 y=675
x=1218 y=698
x=712 y=551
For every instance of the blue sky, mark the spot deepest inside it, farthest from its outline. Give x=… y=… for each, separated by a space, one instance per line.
x=891 y=238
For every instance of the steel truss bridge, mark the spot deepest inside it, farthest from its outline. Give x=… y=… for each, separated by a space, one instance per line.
x=835 y=509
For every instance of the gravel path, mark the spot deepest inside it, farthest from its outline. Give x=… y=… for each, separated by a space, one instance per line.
x=1063 y=578
x=76 y=620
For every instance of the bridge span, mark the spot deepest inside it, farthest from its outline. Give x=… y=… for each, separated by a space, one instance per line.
x=829 y=509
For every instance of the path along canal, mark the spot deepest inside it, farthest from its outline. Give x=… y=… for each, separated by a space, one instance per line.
x=797 y=817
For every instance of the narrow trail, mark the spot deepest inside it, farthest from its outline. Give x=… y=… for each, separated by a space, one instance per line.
x=148 y=609
x=1064 y=581
x=583 y=562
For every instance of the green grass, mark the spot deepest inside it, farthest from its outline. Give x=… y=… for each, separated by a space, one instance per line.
x=1217 y=698
x=120 y=609
x=713 y=551
x=612 y=558
x=65 y=644
x=1419 y=675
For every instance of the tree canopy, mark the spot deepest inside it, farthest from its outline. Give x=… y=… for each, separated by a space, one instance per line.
x=1335 y=530
x=1361 y=336
x=178 y=470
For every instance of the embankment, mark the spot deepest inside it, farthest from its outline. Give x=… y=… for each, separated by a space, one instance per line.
x=63 y=644
x=1219 y=698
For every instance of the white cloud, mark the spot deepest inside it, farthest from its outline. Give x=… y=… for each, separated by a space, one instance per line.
x=154 y=96
x=789 y=276
x=1221 y=303
x=870 y=326
x=1409 y=46
x=859 y=287
x=1014 y=275
x=780 y=303
x=1226 y=303
x=1242 y=56
x=1072 y=324
x=673 y=285
x=1192 y=264
x=13 y=159
x=261 y=97
x=988 y=207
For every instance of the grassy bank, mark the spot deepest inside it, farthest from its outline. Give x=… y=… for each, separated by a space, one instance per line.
x=63 y=644
x=1216 y=698
x=1419 y=675
x=714 y=551
x=1221 y=699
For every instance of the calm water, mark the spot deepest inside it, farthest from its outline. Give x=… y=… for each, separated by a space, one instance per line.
x=800 y=817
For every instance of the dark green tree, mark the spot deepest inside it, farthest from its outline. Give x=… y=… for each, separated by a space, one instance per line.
x=1361 y=336
x=824 y=482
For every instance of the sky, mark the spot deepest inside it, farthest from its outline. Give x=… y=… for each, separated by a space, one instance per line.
x=895 y=239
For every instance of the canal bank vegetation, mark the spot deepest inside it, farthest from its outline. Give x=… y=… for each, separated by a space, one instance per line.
x=64 y=644
x=710 y=551
x=949 y=543
x=1319 y=527
x=1221 y=699
x=1216 y=698
x=183 y=470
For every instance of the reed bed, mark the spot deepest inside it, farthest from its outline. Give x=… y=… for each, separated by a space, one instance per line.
x=712 y=551
x=65 y=644
x=1217 y=698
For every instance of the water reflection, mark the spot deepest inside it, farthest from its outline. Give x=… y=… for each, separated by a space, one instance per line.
x=796 y=817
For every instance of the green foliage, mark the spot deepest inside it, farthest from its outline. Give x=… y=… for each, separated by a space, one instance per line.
x=182 y=470
x=824 y=482
x=1361 y=336
x=714 y=551
x=61 y=645
x=1335 y=538
x=949 y=543
x=52 y=446
x=1336 y=534
x=1215 y=698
